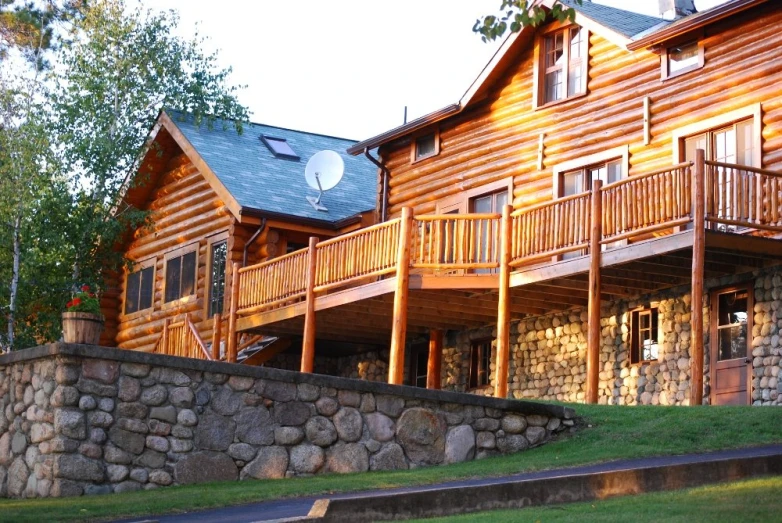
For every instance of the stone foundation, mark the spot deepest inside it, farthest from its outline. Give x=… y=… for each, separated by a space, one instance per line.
x=548 y=353
x=78 y=419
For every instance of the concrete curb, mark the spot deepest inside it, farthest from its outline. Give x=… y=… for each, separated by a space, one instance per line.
x=532 y=492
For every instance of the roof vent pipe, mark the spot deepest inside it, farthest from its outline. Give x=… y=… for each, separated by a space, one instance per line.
x=673 y=9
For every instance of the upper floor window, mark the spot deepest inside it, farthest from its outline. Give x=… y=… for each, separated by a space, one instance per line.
x=425 y=146
x=217 y=258
x=681 y=58
x=181 y=269
x=733 y=143
x=563 y=63
x=139 y=288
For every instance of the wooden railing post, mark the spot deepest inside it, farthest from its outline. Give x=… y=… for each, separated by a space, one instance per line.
x=434 y=363
x=230 y=349
x=593 y=305
x=698 y=256
x=503 y=306
x=164 y=338
x=396 y=364
x=308 y=342
x=217 y=328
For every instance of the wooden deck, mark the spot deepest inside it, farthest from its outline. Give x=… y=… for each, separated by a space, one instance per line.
x=660 y=230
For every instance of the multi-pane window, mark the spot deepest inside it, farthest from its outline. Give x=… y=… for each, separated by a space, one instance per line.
x=644 y=344
x=486 y=204
x=217 y=258
x=732 y=319
x=139 y=289
x=480 y=364
x=180 y=276
x=564 y=64
x=731 y=144
x=580 y=180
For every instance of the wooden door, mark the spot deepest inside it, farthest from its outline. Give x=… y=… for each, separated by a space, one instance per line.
x=731 y=357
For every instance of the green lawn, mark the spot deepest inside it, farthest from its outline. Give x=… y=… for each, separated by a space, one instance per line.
x=606 y=433
x=741 y=501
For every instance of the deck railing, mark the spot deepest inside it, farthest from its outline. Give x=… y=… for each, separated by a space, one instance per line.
x=631 y=208
x=273 y=282
x=549 y=229
x=647 y=203
x=361 y=255
x=742 y=196
x=455 y=241
x=182 y=339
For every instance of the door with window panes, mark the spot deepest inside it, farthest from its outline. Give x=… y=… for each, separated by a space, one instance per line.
x=486 y=204
x=731 y=328
x=580 y=180
x=730 y=144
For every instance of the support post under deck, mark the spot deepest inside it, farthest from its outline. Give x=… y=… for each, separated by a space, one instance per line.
x=503 y=307
x=434 y=363
x=396 y=366
x=230 y=349
x=698 y=256
x=593 y=305
x=308 y=340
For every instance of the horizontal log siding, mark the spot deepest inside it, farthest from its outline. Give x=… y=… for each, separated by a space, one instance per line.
x=498 y=137
x=185 y=210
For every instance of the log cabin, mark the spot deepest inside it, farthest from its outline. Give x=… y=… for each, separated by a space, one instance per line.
x=218 y=197
x=595 y=220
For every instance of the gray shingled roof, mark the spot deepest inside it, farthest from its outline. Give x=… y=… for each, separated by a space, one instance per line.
x=623 y=22
x=262 y=182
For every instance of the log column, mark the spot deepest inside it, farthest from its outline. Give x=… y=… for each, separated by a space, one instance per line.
x=593 y=306
x=230 y=349
x=308 y=342
x=434 y=363
x=698 y=256
x=217 y=326
x=396 y=367
x=503 y=307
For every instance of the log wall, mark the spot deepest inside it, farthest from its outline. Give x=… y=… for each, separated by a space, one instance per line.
x=497 y=138
x=185 y=210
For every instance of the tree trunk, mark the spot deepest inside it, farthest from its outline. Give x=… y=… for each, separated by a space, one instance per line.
x=17 y=253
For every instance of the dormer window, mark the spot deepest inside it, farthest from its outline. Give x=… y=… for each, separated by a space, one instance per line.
x=561 y=65
x=681 y=58
x=279 y=147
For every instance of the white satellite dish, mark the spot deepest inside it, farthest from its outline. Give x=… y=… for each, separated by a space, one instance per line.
x=323 y=172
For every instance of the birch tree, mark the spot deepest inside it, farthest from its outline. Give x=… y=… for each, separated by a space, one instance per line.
x=122 y=67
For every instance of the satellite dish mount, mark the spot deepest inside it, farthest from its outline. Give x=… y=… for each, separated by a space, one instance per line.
x=323 y=172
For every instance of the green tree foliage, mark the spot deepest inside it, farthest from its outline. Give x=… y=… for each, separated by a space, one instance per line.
x=517 y=14
x=71 y=137
x=121 y=68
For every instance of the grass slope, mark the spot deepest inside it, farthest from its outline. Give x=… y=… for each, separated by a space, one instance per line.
x=607 y=433
x=741 y=501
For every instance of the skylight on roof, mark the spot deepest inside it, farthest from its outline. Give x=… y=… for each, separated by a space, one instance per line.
x=279 y=147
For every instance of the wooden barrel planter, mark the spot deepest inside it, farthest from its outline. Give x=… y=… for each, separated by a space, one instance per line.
x=81 y=327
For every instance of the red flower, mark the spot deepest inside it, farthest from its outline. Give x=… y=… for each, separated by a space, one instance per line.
x=85 y=288
x=69 y=304
x=76 y=301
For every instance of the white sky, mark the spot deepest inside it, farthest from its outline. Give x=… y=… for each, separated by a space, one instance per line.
x=349 y=67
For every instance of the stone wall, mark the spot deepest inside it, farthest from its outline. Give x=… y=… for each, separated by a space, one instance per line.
x=87 y=420
x=548 y=353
